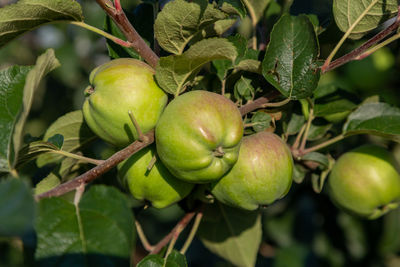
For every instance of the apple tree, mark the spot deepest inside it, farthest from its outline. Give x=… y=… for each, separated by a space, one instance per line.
x=199 y=133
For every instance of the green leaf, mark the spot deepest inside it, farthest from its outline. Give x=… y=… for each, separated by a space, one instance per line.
x=333 y=107
x=233 y=234
x=318 y=131
x=176 y=259
x=256 y=8
x=317 y=157
x=372 y=13
x=250 y=65
x=295 y=124
x=33 y=150
x=243 y=89
x=294 y=255
x=374 y=118
x=26 y=15
x=151 y=261
x=290 y=59
x=57 y=140
x=48 y=183
x=233 y=7
x=180 y=21
x=76 y=134
x=14 y=112
x=299 y=173
x=12 y=82
x=97 y=231
x=173 y=72
x=261 y=121
x=17 y=207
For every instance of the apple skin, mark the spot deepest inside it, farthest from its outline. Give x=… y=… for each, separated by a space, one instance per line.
x=198 y=136
x=262 y=174
x=365 y=182
x=157 y=186
x=119 y=86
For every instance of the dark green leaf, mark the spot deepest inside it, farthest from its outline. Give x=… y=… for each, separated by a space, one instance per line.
x=151 y=261
x=75 y=131
x=18 y=112
x=173 y=72
x=261 y=121
x=12 y=82
x=233 y=7
x=99 y=230
x=374 y=118
x=333 y=107
x=295 y=124
x=57 y=140
x=355 y=235
x=17 y=207
x=290 y=59
x=26 y=15
x=176 y=259
x=347 y=13
x=233 y=234
x=180 y=21
x=33 y=150
x=318 y=131
x=48 y=183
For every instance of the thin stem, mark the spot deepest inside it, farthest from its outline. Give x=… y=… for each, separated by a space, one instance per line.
x=137 y=42
x=137 y=126
x=151 y=163
x=75 y=156
x=347 y=34
x=322 y=145
x=276 y=104
x=103 y=33
x=223 y=85
x=97 y=171
x=173 y=240
x=296 y=143
x=378 y=46
x=181 y=224
x=192 y=233
x=146 y=244
x=305 y=136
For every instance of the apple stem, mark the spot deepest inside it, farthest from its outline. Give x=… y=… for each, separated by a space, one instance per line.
x=151 y=163
x=276 y=104
x=141 y=137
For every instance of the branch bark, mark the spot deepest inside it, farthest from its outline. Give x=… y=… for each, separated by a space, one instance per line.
x=97 y=171
x=137 y=42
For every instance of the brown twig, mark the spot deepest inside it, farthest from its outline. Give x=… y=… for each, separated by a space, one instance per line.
x=118 y=16
x=178 y=228
x=353 y=55
x=97 y=171
x=258 y=103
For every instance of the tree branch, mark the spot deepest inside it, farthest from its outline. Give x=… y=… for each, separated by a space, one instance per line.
x=97 y=171
x=137 y=42
x=360 y=50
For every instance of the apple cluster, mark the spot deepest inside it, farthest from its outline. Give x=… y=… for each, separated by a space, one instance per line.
x=198 y=140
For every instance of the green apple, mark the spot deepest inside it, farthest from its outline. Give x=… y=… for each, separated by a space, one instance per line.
x=262 y=174
x=157 y=186
x=117 y=87
x=198 y=136
x=365 y=182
